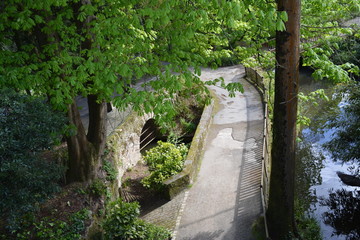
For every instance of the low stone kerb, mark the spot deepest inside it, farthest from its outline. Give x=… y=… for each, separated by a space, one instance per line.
x=177 y=183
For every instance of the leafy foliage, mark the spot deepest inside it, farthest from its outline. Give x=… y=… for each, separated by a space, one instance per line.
x=122 y=223
x=28 y=127
x=307 y=225
x=97 y=188
x=107 y=49
x=336 y=12
x=188 y=108
x=321 y=30
x=52 y=229
x=307 y=102
x=319 y=59
x=110 y=170
x=164 y=161
x=348 y=53
x=50 y=45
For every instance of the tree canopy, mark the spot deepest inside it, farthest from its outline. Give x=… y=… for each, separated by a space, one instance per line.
x=101 y=49
x=66 y=48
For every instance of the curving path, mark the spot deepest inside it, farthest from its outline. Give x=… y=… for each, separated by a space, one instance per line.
x=225 y=199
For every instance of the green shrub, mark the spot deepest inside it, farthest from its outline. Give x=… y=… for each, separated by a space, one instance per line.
x=122 y=223
x=53 y=229
x=111 y=172
x=188 y=107
x=97 y=188
x=28 y=127
x=188 y=126
x=307 y=225
x=164 y=161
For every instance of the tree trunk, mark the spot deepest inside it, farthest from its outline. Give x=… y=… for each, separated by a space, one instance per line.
x=97 y=123
x=280 y=212
x=85 y=150
x=80 y=149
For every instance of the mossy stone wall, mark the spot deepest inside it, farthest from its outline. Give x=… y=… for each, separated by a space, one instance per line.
x=124 y=143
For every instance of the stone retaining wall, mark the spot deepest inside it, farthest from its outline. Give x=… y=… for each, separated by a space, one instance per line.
x=180 y=181
x=124 y=143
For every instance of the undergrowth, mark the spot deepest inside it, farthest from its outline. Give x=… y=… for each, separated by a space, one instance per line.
x=164 y=161
x=122 y=223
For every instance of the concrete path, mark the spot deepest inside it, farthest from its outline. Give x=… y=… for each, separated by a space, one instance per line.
x=352 y=21
x=225 y=199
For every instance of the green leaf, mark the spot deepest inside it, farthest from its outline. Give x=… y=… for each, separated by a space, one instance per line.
x=124 y=70
x=82 y=16
x=280 y=26
x=284 y=16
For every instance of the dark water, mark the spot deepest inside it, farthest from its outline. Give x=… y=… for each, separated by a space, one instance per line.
x=324 y=171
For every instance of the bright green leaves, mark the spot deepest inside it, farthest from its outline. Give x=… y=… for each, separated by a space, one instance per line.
x=164 y=161
x=283 y=16
x=40 y=54
x=230 y=87
x=122 y=222
x=105 y=47
x=324 y=18
x=234 y=87
x=273 y=19
x=238 y=10
x=319 y=59
x=321 y=26
x=316 y=13
x=281 y=19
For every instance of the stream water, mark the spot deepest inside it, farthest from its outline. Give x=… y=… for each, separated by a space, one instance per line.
x=318 y=162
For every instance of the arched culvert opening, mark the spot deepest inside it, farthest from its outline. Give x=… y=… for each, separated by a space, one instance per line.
x=149 y=134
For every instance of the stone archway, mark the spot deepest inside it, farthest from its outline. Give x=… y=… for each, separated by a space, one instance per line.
x=124 y=142
x=149 y=133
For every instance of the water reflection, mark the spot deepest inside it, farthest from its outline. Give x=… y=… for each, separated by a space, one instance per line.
x=343 y=213
x=344 y=146
x=308 y=168
x=336 y=200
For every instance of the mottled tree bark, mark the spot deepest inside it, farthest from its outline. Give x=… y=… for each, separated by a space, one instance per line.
x=97 y=123
x=80 y=150
x=84 y=149
x=280 y=212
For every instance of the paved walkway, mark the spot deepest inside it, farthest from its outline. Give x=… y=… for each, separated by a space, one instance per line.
x=225 y=198
x=352 y=21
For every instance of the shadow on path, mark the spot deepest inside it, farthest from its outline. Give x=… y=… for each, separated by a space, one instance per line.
x=206 y=235
x=225 y=199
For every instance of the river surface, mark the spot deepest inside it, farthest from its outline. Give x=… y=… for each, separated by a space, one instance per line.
x=315 y=136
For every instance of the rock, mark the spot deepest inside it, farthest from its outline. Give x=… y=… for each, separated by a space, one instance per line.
x=350 y=180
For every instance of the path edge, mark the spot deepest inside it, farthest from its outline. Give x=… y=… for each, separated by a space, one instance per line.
x=179 y=182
